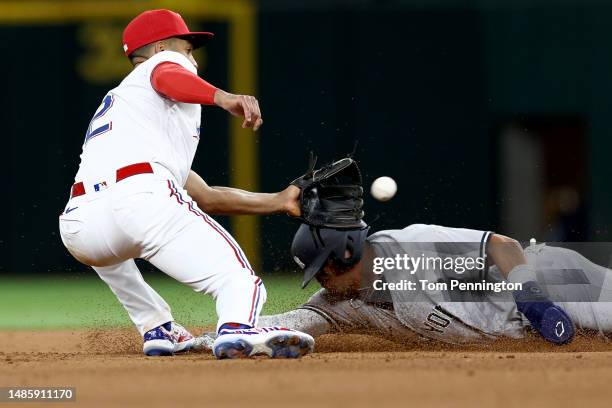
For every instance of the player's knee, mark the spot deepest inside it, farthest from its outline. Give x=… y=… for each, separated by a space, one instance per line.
x=239 y=283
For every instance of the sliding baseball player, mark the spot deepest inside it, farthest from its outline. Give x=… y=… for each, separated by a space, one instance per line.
x=429 y=282
x=356 y=299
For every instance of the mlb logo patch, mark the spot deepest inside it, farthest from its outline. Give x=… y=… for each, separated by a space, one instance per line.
x=100 y=186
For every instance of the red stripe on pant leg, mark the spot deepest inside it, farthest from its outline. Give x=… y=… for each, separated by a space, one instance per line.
x=257 y=281
x=226 y=240
x=254 y=318
x=216 y=226
x=233 y=243
x=241 y=257
x=181 y=201
x=219 y=229
x=172 y=192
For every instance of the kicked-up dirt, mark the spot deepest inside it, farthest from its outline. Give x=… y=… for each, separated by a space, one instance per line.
x=108 y=369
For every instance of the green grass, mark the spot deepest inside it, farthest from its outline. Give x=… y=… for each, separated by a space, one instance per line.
x=59 y=301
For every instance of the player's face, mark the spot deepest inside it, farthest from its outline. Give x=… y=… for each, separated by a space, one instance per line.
x=184 y=47
x=340 y=281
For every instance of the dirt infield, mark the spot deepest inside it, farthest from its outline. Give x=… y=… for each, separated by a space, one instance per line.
x=108 y=370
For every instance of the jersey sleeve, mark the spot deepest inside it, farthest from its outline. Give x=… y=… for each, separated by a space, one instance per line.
x=173 y=77
x=174 y=82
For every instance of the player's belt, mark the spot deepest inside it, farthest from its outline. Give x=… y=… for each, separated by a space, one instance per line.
x=78 y=189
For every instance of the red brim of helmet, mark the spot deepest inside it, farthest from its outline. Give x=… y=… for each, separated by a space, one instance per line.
x=197 y=39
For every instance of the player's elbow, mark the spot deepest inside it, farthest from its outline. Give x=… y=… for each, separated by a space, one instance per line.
x=205 y=196
x=501 y=244
x=505 y=252
x=213 y=201
x=498 y=239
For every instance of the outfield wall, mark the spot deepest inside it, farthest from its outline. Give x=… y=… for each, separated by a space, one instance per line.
x=424 y=86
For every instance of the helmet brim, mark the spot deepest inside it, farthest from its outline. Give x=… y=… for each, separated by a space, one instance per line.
x=314 y=268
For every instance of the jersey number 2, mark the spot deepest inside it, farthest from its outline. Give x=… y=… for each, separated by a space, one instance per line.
x=107 y=103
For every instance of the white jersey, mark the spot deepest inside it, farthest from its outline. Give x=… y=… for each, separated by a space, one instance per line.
x=151 y=216
x=135 y=124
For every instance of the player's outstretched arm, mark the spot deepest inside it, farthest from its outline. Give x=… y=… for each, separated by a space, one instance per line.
x=232 y=201
x=244 y=106
x=174 y=82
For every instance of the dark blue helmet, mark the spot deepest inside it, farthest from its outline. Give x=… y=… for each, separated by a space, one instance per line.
x=313 y=246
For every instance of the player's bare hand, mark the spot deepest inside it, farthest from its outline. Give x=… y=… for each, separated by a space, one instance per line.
x=290 y=201
x=245 y=106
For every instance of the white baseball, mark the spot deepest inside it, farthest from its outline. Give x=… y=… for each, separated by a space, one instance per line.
x=383 y=188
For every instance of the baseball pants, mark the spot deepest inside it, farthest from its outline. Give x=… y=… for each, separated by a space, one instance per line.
x=582 y=288
x=149 y=216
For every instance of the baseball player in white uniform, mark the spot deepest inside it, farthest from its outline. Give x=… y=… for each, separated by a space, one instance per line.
x=357 y=299
x=134 y=196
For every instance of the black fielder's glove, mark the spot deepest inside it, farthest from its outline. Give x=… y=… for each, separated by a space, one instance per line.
x=331 y=196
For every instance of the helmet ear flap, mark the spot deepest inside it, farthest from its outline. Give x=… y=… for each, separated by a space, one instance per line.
x=354 y=241
x=340 y=247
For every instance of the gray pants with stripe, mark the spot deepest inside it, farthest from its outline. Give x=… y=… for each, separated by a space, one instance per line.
x=582 y=288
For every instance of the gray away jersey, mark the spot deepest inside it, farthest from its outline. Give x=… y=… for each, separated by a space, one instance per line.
x=465 y=316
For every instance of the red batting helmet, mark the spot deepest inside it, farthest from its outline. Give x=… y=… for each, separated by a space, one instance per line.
x=156 y=25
